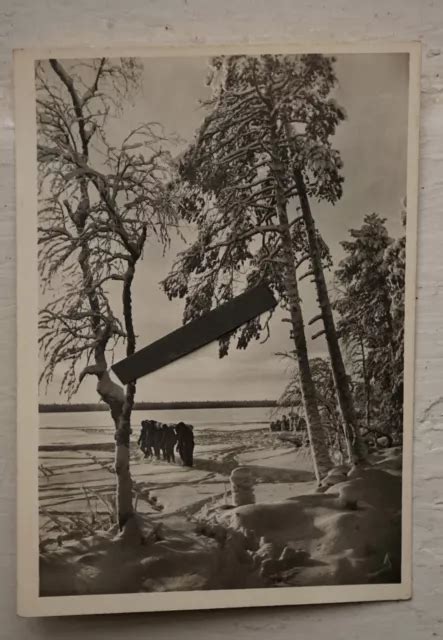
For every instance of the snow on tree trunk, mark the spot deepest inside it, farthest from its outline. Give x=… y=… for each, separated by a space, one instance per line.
x=355 y=443
x=114 y=397
x=123 y=431
x=110 y=392
x=125 y=508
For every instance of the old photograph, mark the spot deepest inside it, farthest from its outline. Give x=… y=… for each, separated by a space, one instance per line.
x=272 y=459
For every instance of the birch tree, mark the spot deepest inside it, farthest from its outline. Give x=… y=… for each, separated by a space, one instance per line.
x=100 y=202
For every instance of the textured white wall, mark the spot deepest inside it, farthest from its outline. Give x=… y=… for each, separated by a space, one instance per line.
x=26 y=23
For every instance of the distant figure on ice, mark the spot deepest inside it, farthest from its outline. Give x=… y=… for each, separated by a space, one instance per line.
x=300 y=424
x=185 y=443
x=286 y=426
x=277 y=425
x=169 y=440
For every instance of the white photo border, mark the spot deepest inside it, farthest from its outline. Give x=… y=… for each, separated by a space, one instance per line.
x=29 y=602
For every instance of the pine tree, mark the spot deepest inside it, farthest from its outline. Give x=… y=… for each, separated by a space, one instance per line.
x=395 y=260
x=238 y=179
x=310 y=118
x=370 y=281
x=326 y=400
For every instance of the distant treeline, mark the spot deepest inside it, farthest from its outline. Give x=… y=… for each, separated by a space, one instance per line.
x=151 y=406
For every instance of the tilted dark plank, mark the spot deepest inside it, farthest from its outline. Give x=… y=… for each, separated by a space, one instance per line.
x=196 y=334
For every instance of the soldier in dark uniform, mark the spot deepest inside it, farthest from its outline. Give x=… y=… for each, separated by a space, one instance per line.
x=163 y=428
x=185 y=443
x=168 y=443
x=143 y=441
x=156 y=435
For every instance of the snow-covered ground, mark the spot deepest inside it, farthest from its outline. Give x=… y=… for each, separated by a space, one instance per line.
x=78 y=477
x=187 y=534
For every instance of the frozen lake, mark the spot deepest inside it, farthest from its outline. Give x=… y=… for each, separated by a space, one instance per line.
x=96 y=427
x=76 y=461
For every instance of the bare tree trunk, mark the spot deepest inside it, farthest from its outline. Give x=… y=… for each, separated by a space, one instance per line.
x=112 y=394
x=367 y=385
x=317 y=437
x=125 y=508
x=123 y=430
x=341 y=380
x=115 y=398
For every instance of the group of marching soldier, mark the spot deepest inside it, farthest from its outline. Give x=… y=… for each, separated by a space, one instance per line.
x=288 y=423
x=160 y=441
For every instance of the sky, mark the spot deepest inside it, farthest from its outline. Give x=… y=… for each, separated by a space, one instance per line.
x=373 y=89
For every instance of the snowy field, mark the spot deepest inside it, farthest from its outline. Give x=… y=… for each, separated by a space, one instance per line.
x=189 y=536
x=76 y=474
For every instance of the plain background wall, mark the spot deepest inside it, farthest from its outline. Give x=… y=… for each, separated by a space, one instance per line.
x=26 y=23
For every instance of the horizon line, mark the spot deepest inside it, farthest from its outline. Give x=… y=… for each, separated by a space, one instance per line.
x=141 y=405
